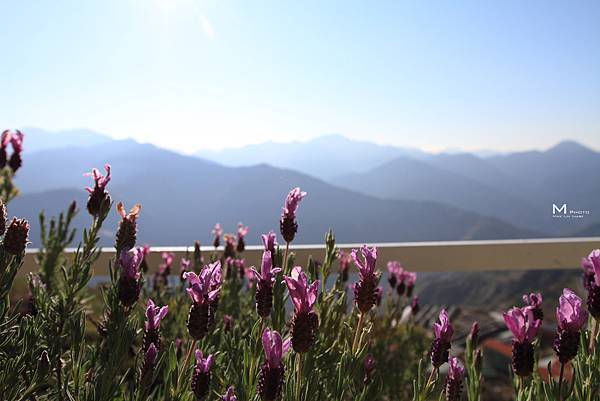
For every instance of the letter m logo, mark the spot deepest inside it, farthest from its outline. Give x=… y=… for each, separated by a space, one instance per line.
x=562 y=209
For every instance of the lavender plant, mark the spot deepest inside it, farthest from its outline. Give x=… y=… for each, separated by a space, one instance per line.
x=281 y=331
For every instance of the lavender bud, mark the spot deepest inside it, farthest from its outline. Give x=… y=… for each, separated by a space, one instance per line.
x=198 y=320
x=16 y=237
x=566 y=345
x=593 y=300
x=270 y=382
x=365 y=293
x=264 y=298
x=474 y=335
x=304 y=329
x=522 y=358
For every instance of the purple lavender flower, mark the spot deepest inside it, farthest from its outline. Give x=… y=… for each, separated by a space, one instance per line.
x=16 y=141
x=474 y=334
x=587 y=265
x=229 y=251
x=305 y=321
x=270 y=380
x=217 y=232
x=414 y=306
x=204 y=290
x=264 y=287
x=127 y=231
x=229 y=395
x=148 y=366
x=16 y=236
x=184 y=267
x=287 y=224
x=201 y=377
x=441 y=344
x=524 y=327
x=99 y=200
x=410 y=279
x=593 y=285
x=242 y=231
x=4 y=141
x=369 y=366
x=454 y=380
x=365 y=291
x=270 y=242
x=154 y=315
x=198 y=259
x=129 y=283
x=571 y=318
x=533 y=301
x=394 y=270
x=344 y=259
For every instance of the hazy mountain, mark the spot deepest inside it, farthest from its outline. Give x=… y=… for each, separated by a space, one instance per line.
x=182 y=197
x=406 y=178
x=39 y=139
x=567 y=173
x=323 y=157
x=519 y=188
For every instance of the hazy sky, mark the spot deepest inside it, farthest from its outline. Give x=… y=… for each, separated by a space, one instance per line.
x=208 y=74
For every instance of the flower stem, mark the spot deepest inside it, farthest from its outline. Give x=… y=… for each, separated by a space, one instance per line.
x=430 y=382
x=560 y=380
x=184 y=366
x=593 y=336
x=298 y=376
x=359 y=326
x=285 y=257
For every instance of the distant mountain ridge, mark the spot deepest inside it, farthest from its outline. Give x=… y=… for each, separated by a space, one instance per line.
x=40 y=139
x=325 y=157
x=183 y=196
x=498 y=196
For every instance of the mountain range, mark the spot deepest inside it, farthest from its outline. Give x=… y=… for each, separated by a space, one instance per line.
x=370 y=193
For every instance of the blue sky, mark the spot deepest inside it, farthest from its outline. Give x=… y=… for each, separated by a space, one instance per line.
x=191 y=74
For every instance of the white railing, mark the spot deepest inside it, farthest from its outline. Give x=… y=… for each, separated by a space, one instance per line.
x=525 y=254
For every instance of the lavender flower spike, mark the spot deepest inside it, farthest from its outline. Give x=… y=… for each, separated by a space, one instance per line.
x=127 y=231
x=365 y=291
x=204 y=290
x=99 y=199
x=571 y=318
x=593 y=285
x=148 y=366
x=264 y=288
x=4 y=141
x=524 y=327
x=242 y=231
x=154 y=315
x=217 y=232
x=229 y=395
x=270 y=381
x=441 y=344
x=201 y=377
x=129 y=282
x=287 y=224
x=454 y=380
x=305 y=321
x=16 y=141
